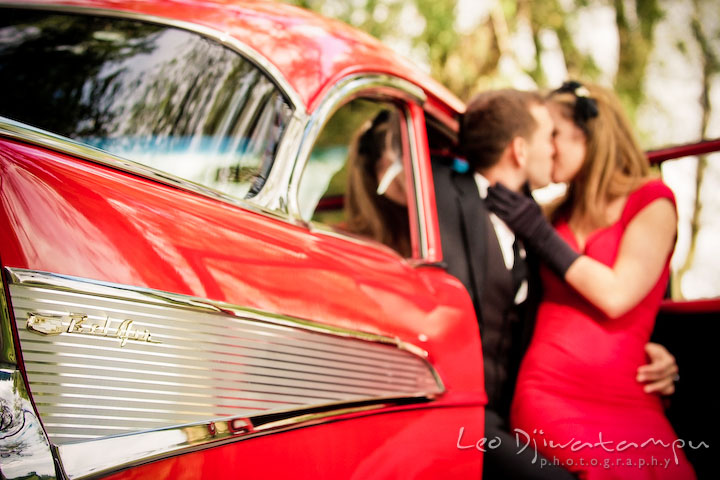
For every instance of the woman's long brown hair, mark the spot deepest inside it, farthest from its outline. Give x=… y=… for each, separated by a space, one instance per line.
x=614 y=164
x=368 y=213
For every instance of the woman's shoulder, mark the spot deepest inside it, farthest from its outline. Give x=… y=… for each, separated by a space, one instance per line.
x=654 y=185
x=649 y=191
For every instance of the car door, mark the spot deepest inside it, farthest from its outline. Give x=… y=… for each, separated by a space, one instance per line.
x=689 y=318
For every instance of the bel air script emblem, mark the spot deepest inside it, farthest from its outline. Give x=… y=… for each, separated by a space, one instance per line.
x=123 y=330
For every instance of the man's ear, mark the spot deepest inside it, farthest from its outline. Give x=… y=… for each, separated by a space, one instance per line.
x=518 y=151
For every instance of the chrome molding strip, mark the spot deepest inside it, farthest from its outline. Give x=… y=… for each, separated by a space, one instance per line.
x=108 y=455
x=419 y=204
x=24 y=448
x=7 y=345
x=116 y=365
x=349 y=88
x=42 y=138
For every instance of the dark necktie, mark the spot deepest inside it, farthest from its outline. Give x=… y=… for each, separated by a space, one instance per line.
x=520 y=269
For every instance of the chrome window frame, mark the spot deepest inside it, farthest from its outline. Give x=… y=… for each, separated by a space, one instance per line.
x=419 y=206
x=272 y=198
x=27 y=134
x=365 y=85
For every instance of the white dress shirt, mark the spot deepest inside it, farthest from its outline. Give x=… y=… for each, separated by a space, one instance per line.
x=505 y=237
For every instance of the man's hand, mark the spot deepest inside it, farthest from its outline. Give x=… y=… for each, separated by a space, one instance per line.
x=660 y=374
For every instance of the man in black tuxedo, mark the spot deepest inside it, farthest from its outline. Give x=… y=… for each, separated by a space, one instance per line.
x=506 y=136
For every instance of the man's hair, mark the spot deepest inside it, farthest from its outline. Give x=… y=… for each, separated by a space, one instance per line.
x=491 y=121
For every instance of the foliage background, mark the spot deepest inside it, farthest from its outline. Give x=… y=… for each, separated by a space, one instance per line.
x=662 y=57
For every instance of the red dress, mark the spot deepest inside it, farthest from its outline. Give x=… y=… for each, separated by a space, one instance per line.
x=577 y=401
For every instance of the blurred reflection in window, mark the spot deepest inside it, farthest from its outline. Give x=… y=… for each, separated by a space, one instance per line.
x=355 y=179
x=695 y=263
x=163 y=97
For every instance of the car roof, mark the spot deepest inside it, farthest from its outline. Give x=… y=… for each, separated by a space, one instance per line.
x=312 y=52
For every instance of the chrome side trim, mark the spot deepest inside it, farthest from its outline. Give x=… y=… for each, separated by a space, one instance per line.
x=218 y=36
x=111 y=454
x=7 y=344
x=213 y=372
x=378 y=85
x=24 y=448
x=42 y=138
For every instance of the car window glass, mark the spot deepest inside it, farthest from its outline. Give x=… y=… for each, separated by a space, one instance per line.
x=160 y=96
x=695 y=264
x=354 y=179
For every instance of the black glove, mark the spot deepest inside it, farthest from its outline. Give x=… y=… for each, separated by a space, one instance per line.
x=525 y=218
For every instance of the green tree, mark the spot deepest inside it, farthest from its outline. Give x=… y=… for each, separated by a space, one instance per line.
x=636 y=41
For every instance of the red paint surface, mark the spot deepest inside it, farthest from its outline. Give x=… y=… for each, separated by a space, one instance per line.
x=708 y=146
x=72 y=217
x=63 y=215
x=68 y=216
x=691 y=306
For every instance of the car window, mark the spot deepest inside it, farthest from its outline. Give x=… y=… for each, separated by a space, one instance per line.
x=164 y=97
x=355 y=180
x=695 y=263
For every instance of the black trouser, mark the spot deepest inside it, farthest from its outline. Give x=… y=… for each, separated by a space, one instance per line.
x=505 y=460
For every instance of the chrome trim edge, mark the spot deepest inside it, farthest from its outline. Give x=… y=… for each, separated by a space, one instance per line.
x=7 y=343
x=24 y=447
x=274 y=195
x=27 y=134
x=345 y=90
x=109 y=455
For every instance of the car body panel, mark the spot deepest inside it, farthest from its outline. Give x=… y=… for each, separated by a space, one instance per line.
x=689 y=329
x=77 y=218
x=84 y=220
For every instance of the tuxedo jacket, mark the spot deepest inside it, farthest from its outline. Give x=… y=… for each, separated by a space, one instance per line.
x=462 y=218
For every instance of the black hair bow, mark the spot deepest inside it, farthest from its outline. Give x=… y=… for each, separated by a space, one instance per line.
x=585 y=106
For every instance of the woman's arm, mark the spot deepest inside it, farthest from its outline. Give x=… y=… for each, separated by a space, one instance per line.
x=644 y=249
x=647 y=241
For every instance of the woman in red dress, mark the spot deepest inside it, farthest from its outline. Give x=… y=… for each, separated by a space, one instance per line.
x=577 y=400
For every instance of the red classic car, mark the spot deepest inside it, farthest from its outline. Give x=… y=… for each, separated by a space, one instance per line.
x=173 y=308
x=181 y=298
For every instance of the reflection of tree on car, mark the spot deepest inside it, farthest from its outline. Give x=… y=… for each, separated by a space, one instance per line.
x=157 y=95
